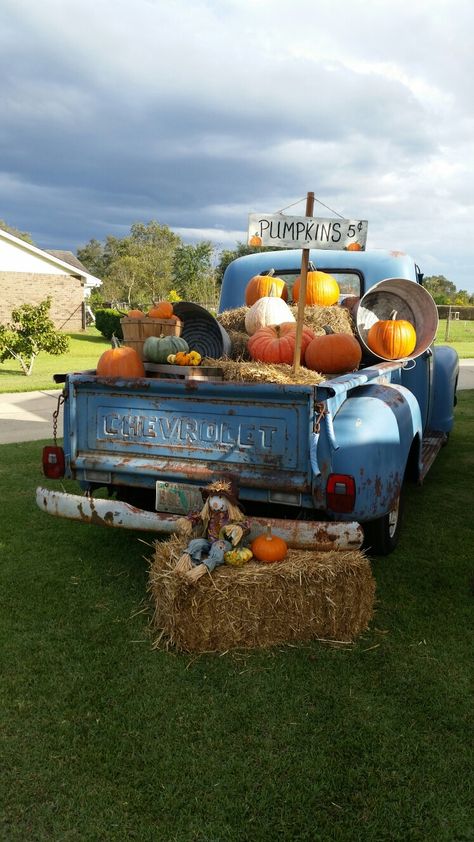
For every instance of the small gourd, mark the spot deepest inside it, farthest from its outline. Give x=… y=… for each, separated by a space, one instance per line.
x=268 y=547
x=392 y=339
x=156 y=349
x=238 y=557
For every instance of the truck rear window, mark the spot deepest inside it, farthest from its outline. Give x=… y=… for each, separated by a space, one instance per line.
x=349 y=282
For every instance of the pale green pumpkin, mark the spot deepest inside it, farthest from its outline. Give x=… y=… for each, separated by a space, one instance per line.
x=156 y=349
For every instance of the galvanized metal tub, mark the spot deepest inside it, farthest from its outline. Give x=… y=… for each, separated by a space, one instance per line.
x=412 y=303
x=202 y=331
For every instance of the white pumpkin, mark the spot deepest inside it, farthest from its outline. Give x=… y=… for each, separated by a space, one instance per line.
x=270 y=310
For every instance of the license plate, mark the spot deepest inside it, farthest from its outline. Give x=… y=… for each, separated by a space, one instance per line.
x=177 y=498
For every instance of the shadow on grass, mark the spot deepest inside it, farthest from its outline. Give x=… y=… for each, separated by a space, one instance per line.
x=86 y=337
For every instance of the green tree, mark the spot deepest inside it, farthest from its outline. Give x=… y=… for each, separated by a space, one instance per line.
x=30 y=331
x=22 y=235
x=228 y=255
x=194 y=275
x=442 y=290
x=136 y=269
x=93 y=256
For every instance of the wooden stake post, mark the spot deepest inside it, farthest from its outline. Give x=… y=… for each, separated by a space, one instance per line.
x=302 y=294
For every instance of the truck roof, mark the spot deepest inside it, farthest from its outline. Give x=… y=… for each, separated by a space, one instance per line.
x=373 y=266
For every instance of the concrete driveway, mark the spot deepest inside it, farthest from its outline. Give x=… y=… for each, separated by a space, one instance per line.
x=28 y=416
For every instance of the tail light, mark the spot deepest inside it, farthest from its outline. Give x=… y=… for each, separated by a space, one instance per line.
x=340 y=493
x=53 y=462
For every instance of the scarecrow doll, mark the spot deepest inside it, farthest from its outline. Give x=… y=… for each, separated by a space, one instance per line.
x=220 y=526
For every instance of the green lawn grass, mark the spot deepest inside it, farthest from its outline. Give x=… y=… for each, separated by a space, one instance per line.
x=84 y=351
x=460 y=337
x=104 y=738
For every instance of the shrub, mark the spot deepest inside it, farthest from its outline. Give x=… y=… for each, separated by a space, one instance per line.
x=107 y=322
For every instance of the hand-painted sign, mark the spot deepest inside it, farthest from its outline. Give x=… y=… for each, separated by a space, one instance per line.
x=306 y=232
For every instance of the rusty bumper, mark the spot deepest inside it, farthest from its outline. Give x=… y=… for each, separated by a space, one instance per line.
x=301 y=534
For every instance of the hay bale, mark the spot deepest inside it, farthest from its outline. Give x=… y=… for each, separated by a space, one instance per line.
x=233 y=319
x=256 y=372
x=238 y=345
x=338 y=318
x=328 y=595
x=316 y=318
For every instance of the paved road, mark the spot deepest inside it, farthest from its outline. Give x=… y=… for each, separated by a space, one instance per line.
x=28 y=416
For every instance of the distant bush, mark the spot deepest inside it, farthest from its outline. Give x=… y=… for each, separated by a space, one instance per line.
x=107 y=322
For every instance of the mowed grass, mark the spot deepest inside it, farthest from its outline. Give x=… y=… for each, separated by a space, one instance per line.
x=84 y=351
x=460 y=336
x=104 y=738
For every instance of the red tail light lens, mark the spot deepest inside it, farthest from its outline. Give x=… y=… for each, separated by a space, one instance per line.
x=53 y=462
x=340 y=493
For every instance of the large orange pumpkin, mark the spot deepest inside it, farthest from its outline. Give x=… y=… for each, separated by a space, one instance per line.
x=120 y=361
x=322 y=290
x=161 y=310
x=261 y=286
x=268 y=547
x=276 y=343
x=333 y=353
x=392 y=338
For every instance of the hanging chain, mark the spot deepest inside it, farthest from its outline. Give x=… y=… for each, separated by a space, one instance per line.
x=61 y=399
x=322 y=411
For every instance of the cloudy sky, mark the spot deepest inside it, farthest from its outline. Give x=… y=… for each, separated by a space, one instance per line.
x=196 y=112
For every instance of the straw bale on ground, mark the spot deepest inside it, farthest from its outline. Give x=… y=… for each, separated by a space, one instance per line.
x=309 y=595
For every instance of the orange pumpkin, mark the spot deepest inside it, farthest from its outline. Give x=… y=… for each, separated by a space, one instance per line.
x=268 y=547
x=354 y=247
x=161 y=310
x=135 y=314
x=276 y=343
x=322 y=290
x=392 y=339
x=262 y=286
x=255 y=240
x=333 y=353
x=120 y=361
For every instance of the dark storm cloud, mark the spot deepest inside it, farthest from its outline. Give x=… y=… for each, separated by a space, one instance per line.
x=112 y=114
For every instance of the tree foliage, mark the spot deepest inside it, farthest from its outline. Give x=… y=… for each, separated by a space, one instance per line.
x=228 y=255
x=30 y=331
x=136 y=269
x=445 y=292
x=193 y=273
x=22 y=235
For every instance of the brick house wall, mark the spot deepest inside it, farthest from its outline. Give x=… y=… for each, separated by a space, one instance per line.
x=66 y=291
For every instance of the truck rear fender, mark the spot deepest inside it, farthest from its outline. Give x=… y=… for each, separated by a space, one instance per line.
x=446 y=373
x=377 y=431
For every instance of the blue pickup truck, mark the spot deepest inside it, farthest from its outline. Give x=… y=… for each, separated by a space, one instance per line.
x=324 y=464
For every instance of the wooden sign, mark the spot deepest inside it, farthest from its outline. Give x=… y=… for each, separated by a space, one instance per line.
x=303 y=232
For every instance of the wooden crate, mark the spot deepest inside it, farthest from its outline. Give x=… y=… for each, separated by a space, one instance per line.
x=212 y=374
x=135 y=331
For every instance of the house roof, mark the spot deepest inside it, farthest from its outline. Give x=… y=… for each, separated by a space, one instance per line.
x=64 y=259
x=68 y=257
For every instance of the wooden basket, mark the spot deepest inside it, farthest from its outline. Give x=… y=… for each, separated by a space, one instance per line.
x=135 y=331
